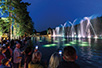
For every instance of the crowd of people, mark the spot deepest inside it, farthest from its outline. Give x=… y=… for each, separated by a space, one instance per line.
x=22 y=54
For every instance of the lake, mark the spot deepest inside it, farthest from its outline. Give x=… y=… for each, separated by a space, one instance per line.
x=89 y=51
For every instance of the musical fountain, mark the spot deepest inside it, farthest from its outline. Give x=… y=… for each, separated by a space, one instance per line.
x=83 y=30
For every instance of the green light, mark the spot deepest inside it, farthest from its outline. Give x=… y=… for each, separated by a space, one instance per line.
x=49 y=45
x=72 y=42
x=83 y=44
x=53 y=44
x=55 y=41
x=46 y=45
x=79 y=41
x=67 y=44
x=40 y=40
x=63 y=39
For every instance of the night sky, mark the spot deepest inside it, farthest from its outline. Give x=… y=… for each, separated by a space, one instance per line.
x=52 y=13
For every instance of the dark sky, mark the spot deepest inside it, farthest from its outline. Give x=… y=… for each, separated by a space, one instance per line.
x=52 y=13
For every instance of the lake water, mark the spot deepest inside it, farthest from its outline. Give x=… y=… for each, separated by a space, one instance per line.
x=89 y=51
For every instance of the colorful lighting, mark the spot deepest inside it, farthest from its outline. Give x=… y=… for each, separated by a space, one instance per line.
x=63 y=39
x=95 y=37
x=53 y=44
x=67 y=44
x=40 y=40
x=79 y=36
x=89 y=36
x=56 y=41
x=49 y=45
x=83 y=44
x=46 y=45
x=49 y=35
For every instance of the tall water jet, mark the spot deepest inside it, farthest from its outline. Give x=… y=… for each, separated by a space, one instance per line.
x=54 y=35
x=63 y=31
x=73 y=33
x=79 y=34
x=90 y=25
x=72 y=30
x=57 y=30
x=82 y=29
x=89 y=33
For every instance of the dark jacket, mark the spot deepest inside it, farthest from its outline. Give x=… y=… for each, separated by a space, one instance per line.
x=68 y=64
x=3 y=66
x=7 y=53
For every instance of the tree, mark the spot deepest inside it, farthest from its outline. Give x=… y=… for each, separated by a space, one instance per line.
x=4 y=27
x=18 y=17
x=22 y=17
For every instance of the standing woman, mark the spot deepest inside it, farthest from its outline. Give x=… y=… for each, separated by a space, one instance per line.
x=36 y=61
x=54 y=60
x=28 y=56
x=8 y=52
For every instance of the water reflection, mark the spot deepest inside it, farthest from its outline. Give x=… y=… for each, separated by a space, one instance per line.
x=95 y=40
x=89 y=41
x=89 y=50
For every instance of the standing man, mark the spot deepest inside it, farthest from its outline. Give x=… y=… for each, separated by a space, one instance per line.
x=17 y=56
x=69 y=58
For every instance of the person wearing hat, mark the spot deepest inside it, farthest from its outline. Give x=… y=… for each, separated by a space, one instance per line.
x=5 y=64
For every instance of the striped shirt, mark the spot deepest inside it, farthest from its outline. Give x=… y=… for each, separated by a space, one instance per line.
x=17 y=53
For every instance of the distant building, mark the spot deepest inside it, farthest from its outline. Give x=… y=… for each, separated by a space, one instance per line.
x=37 y=34
x=49 y=31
